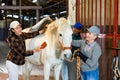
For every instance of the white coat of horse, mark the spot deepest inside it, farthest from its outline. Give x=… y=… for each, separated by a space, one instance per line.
x=58 y=37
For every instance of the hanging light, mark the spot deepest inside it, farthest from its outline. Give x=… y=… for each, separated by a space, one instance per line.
x=34 y=1
x=2 y=4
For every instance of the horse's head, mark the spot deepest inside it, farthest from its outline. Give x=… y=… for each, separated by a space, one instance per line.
x=64 y=33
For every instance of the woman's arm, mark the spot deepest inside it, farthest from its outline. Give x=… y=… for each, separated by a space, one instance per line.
x=33 y=34
x=30 y=35
x=96 y=53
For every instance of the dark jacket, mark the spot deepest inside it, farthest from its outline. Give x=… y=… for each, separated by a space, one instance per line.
x=75 y=38
x=18 y=51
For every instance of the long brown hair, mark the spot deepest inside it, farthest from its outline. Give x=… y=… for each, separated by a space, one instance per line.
x=10 y=32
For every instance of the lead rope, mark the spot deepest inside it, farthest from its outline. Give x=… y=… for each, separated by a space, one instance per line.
x=78 y=63
x=116 y=72
x=78 y=68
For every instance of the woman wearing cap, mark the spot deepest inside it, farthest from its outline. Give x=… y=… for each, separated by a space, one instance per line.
x=70 y=67
x=90 y=53
x=16 y=55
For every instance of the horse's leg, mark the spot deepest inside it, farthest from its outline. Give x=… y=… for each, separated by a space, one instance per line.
x=46 y=71
x=57 y=69
x=24 y=71
x=27 y=70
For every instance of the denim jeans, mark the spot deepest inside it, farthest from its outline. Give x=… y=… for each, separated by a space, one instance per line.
x=69 y=67
x=12 y=70
x=64 y=70
x=72 y=69
x=90 y=75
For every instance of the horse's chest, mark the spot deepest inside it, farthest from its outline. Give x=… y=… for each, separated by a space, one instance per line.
x=58 y=52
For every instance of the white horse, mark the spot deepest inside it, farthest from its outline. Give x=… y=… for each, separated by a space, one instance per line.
x=58 y=37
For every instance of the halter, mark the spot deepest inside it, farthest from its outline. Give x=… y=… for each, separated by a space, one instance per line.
x=62 y=47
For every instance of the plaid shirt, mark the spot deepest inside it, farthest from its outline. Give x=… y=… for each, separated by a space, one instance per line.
x=18 y=51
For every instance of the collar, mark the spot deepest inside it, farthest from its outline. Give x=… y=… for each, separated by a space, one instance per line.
x=91 y=44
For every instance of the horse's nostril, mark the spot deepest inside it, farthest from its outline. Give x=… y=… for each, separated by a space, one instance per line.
x=65 y=55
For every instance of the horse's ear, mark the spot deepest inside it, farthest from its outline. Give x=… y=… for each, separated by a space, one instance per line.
x=48 y=18
x=56 y=18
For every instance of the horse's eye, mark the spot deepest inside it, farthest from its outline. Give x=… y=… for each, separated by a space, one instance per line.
x=60 y=34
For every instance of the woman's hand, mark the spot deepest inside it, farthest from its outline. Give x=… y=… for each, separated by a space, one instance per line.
x=37 y=49
x=42 y=31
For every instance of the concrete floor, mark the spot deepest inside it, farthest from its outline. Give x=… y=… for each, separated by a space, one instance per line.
x=37 y=71
x=3 y=52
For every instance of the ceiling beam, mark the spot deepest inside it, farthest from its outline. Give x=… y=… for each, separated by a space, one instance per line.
x=22 y=7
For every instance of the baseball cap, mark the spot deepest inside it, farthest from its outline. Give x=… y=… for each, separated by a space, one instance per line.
x=13 y=24
x=94 y=29
x=78 y=25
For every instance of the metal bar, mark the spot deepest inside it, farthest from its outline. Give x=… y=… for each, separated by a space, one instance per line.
x=20 y=11
x=37 y=12
x=100 y=20
x=88 y=11
x=84 y=11
x=29 y=7
x=104 y=15
x=115 y=17
x=22 y=7
x=84 y=14
x=56 y=4
x=111 y=36
x=81 y=11
x=77 y=10
x=96 y=12
x=115 y=24
x=92 y=12
x=100 y=15
x=110 y=17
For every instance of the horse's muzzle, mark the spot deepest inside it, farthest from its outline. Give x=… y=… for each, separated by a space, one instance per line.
x=68 y=56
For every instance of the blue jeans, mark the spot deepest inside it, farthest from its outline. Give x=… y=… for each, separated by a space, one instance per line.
x=71 y=68
x=64 y=70
x=90 y=75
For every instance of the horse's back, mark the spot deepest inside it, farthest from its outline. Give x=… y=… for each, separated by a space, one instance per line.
x=31 y=44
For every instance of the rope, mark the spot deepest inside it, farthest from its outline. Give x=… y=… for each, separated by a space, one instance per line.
x=78 y=63
x=78 y=68
x=116 y=72
x=71 y=60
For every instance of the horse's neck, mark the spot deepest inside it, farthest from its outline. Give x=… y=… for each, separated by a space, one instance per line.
x=51 y=37
x=53 y=42
x=58 y=50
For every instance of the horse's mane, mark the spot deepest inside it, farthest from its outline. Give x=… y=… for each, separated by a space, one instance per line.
x=44 y=24
x=55 y=24
x=52 y=28
x=52 y=32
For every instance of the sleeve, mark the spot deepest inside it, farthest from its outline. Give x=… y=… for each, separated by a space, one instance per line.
x=17 y=47
x=11 y=42
x=28 y=53
x=30 y=35
x=76 y=43
x=82 y=56
x=95 y=56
